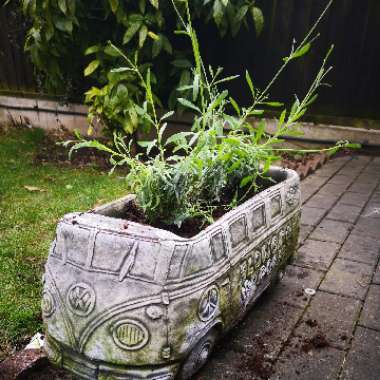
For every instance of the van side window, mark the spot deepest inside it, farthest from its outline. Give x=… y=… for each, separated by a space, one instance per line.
x=145 y=262
x=238 y=231
x=176 y=261
x=110 y=251
x=275 y=205
x=199 y=258
x=258 y=218
x=218 y=246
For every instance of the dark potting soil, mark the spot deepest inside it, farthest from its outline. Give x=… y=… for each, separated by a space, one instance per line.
x=189 y=228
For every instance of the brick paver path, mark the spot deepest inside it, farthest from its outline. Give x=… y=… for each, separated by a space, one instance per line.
x=334 y=334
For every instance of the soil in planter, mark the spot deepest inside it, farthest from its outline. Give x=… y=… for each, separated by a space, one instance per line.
x=190 y=227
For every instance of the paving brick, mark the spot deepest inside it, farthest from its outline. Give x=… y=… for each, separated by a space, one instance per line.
x=266 y=327
x=340 y=179
x=367 y=178
x=364 y=188
x=316 y=254
x=361 y=248
x=376 y=276
x=304 y=233
x=312 y=183
x=360 y=160
x=354 y=199
x=330 y=230
x=372 y=210
x=333 y=190
x=322 y=201
x=316 y=364
x=290 y=290
x=311 y=216
x=368 y=227
x=331 y=315
x=371 y=311
x=348 y=278
x=363 y=360
x=344 y=213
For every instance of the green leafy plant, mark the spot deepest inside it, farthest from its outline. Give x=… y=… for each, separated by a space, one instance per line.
x=67 y=42
x=223 y=159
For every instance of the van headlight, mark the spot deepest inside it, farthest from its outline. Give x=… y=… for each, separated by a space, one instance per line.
x=130 y=334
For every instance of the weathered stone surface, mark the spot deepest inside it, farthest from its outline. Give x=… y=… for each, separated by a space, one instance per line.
x=355 y=199
x=322 y=201
x=304 y=233
x=348 y=278
x=360 y=248
x=331 y=315
x=316 y=254
x=340 y=179
x=372 y=210
x=297 y=362
x=368 y=227
x=370 y=316
x=168 y=293
x=376 y=276
x=363 y=361
x=368 y=178
x=290 y=290
x=259 y=336
x=330 y=230
x=311 y=216
x=344 y=213
x=364 y=188
x=333 y=190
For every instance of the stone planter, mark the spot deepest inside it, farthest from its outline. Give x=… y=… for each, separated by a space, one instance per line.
x=123 y=300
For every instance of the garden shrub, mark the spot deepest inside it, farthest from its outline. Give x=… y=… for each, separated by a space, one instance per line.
x=223 y=159
x=67 y=41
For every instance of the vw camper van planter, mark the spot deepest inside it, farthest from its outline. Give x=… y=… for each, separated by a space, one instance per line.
x=123 y=300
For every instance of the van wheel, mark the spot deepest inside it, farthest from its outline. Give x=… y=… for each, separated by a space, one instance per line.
x=198 y=356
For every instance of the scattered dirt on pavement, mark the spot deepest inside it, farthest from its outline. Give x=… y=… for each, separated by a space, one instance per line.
x=257 y=361
x=311 y=322
x=318 y=341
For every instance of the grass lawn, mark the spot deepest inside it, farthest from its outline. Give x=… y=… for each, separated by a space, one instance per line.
x=27 y=223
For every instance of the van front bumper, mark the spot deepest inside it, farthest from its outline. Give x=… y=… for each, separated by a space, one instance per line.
x=84 y=368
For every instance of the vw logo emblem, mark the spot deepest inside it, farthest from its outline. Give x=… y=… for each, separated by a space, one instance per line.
x=47 y=304
x=81 y=299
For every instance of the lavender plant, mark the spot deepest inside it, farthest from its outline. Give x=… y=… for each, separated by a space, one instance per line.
x=223 y=159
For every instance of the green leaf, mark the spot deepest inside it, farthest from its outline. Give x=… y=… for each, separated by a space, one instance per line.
x=186 y=103
x=62 y=6
x=114 y=5
x=250 y=83
x=64 y=24
x=157 y=47
x=218 y=12
x=92 y=66
x=301 y=52
x=121 y=70
x=258 y=19
x=155 y=3
x=111 y=51
x=246 y=180
x=181 y=63
x=167 y=115
x=142 y=35
x=274 y=104
x=92 y=49
x=235 y=105
x=131 y=31
x=196 y=87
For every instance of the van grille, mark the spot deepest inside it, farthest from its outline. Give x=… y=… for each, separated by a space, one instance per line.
x=130 y=335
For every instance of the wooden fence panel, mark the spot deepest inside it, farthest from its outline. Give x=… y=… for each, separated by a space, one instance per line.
x=352 y=26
